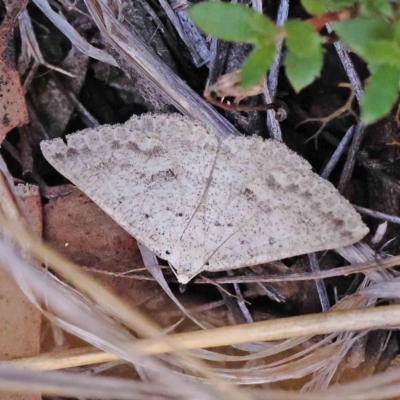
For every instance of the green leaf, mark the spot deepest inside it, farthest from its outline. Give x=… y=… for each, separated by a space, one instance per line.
x=319 y=7
x=256 y=65
x=383 y=52
x=380 y=93
x=301 y=38
x=358 y=33
x=301 y=71
x=315 y=7
x=233 y=22
x=375 y=7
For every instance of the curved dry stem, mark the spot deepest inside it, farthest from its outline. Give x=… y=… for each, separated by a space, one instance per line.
x=341 y=112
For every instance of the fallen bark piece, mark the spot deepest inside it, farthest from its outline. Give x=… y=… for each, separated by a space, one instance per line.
x=82 y=232
x=13 y=111
x=20 y=321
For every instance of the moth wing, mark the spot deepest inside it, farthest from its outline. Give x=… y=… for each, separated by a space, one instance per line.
x=264 y=203
x=148 y=174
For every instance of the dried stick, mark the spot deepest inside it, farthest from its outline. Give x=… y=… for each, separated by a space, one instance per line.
x=176 y=22
x=283 y=328
x=348 y=66
x=274 y=128
x=196 y=39
x=240 y=301
x=359 y=131
x=378 y=215
x=283 y=11
x=351 y=157
x=377 y=264
x=88 y=119
x=303 y=276
x=338 y=153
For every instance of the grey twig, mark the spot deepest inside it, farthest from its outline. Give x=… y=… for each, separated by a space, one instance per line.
x=321 y=288
x=191 y=40
x=26 y=152
x=272 y=292
x=17 y=156
x=272 y=123
x=218 y=51
x=351 y=157
x=283 y=11
x=160 y=25
x=338 y=153
x=196 y=39
x=271 y=83
x=87 y=118
x=359 y=132
x=378 y=215
x=240 y=301
x=348 y=66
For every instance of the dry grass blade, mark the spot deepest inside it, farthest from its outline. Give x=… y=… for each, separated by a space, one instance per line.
x=14 y=227
x=284 y=328
x=77 y=40
x=73 y=385
x=379 y=387
x=30 y=46
x=135 y=53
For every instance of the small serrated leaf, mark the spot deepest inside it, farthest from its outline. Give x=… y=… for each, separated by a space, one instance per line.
x=320 y=7
x=383 y=52
x=358 y=33
x=233 y=22
x=315 y=7
x=380 y=93
x=301 y=38
x=256 y=65
x=375 y=7
x=301 y=71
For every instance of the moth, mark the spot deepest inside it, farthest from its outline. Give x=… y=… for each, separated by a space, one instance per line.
x=203 y=201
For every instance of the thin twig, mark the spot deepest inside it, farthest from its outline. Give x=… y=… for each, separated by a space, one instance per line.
x=321 y=288
x=272 y=292
x=378 y=215
x=274 y=128
x=351 y=157
x=340 y=112
x=348 y=66
x=169 y=35
x=17 y=156
x=240 y=301
x=283 y=11
x=87 y=118
x=196 y=39
x=305 y=276
x=359 y=131
x=197 y=60
x=338 y=153
x=26 y=152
